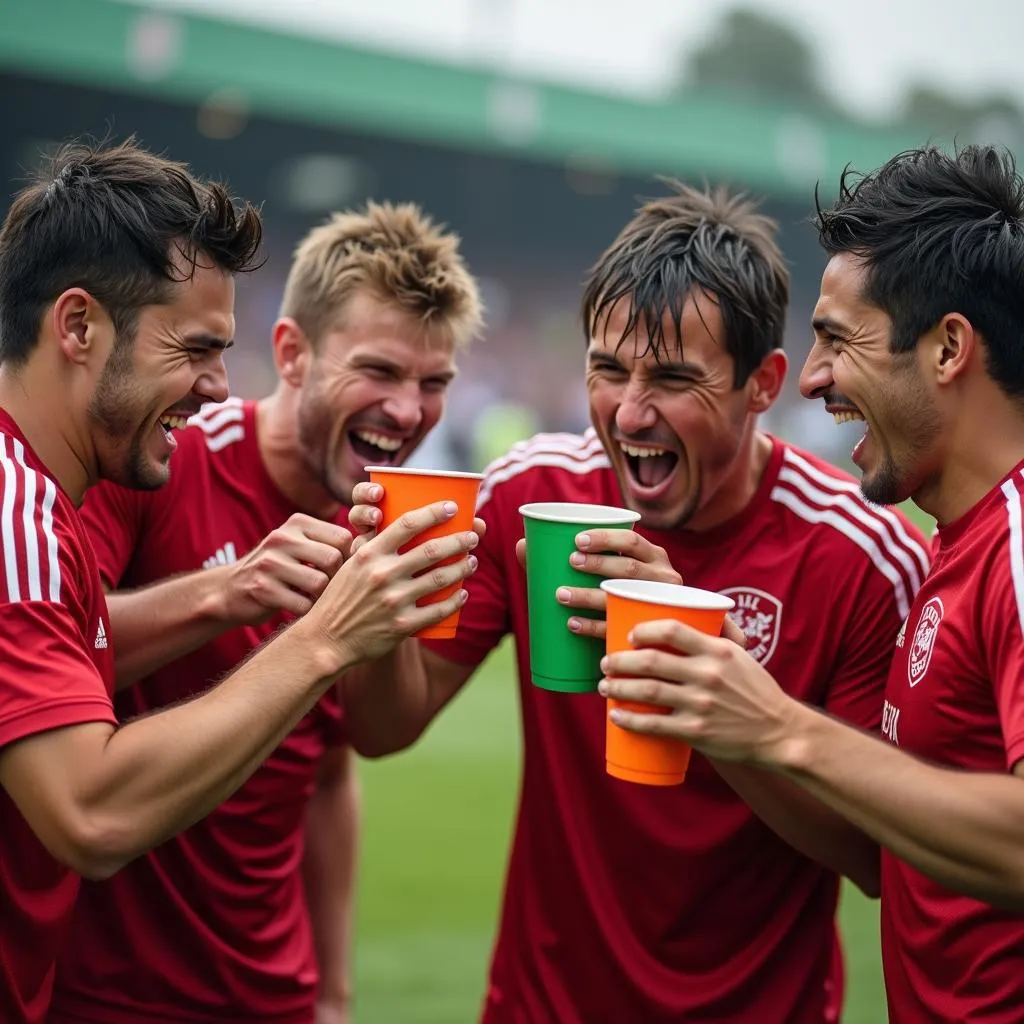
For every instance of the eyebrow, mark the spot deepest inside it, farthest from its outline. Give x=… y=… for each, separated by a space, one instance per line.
x=211 y=341
x=826 y=325
x=672 y=366
x=370 y=359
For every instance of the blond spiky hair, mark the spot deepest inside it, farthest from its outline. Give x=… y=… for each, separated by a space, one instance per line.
x=397 y=254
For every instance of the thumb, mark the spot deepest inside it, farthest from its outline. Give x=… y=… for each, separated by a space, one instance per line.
x=521 y=552
x=733 y=632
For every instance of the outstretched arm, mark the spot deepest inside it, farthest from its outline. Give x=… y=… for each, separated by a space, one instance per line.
x=98 y=796
x=964 y=829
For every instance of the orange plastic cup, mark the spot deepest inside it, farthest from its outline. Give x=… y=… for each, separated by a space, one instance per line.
x=409 y=489
x=652 y=760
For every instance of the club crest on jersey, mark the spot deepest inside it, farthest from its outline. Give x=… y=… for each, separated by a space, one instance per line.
x=924 y=640
x=759 y=615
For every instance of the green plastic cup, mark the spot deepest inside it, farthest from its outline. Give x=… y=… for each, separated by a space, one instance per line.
x=561 y=660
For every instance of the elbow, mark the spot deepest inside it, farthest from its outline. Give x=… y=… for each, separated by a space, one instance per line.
x=95 y=849
x=377 y=746
x=869 y=885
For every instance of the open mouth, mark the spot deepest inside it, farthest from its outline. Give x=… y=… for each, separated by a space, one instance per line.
x=851 y=414
x=173 y=421
x=376 y=448
x=648 y=466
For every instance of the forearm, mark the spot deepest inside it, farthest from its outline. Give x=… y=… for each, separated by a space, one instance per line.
x=389 y=702
x=964 y=829
x=806 y=824
x=329 y=867
x=159 y=774
x=156 y=625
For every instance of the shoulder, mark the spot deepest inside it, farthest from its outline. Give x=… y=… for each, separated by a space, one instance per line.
x=217 y=425
x=571 y=457
x=827 y=504
x=40 y=537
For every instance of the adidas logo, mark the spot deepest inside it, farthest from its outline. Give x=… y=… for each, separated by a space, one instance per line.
x=101 y=638
x=222 y=556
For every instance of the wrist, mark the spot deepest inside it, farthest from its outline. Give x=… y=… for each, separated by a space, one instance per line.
x=324 y=658
x=793 y=750
x=212 y=601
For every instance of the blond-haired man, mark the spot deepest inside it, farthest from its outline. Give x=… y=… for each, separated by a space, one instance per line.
x=246 y=915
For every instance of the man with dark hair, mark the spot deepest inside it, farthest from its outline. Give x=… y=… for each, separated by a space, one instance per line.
x=917 y=332
x=377 y=303
x=709 y=902
x=116 y=303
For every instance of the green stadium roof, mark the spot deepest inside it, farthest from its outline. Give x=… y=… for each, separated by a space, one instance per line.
x=187 y=57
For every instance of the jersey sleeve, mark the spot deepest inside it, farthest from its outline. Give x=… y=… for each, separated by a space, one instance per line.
x=48 y=679
x=1002 y=629
x=856 y=693
x=114 y=518
x=484 y=619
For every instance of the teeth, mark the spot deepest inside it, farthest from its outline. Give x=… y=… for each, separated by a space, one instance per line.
x=846 y=417
x=387 y=444
x=641 y=453
x=174 y=422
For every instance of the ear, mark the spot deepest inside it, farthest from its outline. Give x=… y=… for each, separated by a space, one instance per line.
x=950 y=347
x=293 y=351
x=81 y=326
x=765 y=383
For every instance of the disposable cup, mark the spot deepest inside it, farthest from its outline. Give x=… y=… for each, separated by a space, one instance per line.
x=652 y=760
x=559 y=659
x=408 y=489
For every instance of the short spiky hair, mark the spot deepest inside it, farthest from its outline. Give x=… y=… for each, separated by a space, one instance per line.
x=111 y=220
x=939 y=233
x=397 y=254
x=706 y=240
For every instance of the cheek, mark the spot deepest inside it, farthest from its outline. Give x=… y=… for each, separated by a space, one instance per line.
x=604 y=398
x=433 y=410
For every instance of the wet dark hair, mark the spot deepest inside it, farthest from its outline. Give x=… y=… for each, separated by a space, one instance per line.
x=940 y=234
x=695 y=239
x=118 y=222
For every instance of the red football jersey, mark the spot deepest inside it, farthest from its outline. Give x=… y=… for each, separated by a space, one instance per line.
x=58 y=670
x=955 y=697
x=213 y=923
x=634 y=903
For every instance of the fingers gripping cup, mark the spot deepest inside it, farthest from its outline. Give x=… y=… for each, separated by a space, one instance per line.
x=559 y=659
x=408 y=489
x=652 y=760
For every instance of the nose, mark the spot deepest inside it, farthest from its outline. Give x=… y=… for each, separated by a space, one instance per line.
x=404 y=407
x=816 y=376
x=212 y=384
x=635 y=413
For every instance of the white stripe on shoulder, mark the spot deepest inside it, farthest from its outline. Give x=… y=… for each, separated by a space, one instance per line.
x=859 y=512
x=1013 y=513
x=574 y=453
x=787 y=496
x=213 y=418
x=580 y=446
x=27 y=532
x=834 y=483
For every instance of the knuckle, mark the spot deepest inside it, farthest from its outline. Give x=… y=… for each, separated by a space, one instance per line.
x=408 y=522
x=431 y=550
x=634 y=569
x=649 y=691
x=377 y=576
x=648 y=661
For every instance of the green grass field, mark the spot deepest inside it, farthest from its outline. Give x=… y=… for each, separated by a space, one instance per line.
x=436 y=829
